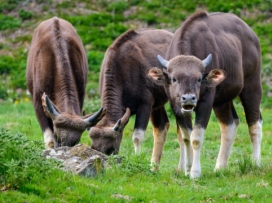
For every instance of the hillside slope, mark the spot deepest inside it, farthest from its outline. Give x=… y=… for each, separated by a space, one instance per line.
x=100 y=22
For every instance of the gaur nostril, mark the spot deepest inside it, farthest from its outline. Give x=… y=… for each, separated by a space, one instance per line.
x=183 y=98
x=193 y=98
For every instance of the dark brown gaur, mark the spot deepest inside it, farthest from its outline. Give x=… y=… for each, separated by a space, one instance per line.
x=125 y=90
x=57 y=69
x=212 y=59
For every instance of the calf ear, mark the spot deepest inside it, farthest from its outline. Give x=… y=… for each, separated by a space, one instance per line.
x=215 y=77
x=157 y=75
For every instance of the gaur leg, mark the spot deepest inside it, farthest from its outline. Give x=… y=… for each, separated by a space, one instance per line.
x=229 y=122
x=251 y=98
x=142 y=118
x=203 y=112
x=161 y=125
x=45 y=123
x=184 y=129
x=181 y=165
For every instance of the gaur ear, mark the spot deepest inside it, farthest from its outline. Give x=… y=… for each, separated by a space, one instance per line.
x=214 y=78
x=157 y=75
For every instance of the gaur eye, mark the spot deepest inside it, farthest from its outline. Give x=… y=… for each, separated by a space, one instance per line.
x=199 y=80
x=174 y=80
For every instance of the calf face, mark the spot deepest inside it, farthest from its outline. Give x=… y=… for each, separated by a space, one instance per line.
x=107 y=139
x=184 y=76
x=68 y=128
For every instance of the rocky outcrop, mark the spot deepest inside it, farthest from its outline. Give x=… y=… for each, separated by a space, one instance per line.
x=80 y=159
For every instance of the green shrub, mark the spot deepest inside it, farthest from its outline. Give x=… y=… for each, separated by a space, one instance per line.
x=16 y=67
x=152 y=5
x=25 y=14
x=7 y=63
x=21 y=159
x=66 y=5
x=8 y=5
x=94 y=60
x=92 y=104
x=117 y=7
x=8 y=22
x=114 y=30
x=3 y=92
x=95 y=19
x=149 y=18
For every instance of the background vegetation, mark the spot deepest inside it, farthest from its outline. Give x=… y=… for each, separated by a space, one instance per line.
x=26 y=177
x=100 y=22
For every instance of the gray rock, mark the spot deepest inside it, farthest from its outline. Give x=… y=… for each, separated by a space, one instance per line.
x=80 y=159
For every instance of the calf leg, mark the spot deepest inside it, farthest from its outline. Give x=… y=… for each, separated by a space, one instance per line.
x=45 y=124
x=196 y=142
x=138 y=138
x=142 y=118
x=161 y=125
x=185 y=150
x=251 y=99
x=181 y=165
x=229 y=122
x=184 y=132
x=203 y=112
x=255 y=132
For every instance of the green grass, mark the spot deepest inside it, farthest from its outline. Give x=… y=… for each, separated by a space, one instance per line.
x=132 y=181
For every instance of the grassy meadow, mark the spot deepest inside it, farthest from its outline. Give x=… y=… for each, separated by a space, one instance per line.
x=30 y=178
x=26 y=177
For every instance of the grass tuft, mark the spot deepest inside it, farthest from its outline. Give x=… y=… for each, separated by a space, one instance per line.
x=21 y=160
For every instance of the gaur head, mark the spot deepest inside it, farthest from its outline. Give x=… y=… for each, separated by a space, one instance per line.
x=183 y=76
x=106 y=137
x=68 y=128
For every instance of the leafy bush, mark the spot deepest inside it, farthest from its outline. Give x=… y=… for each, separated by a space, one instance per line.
x=8 y=5
x=15 y=66
x=21 y=159
x=117 y=7
x=149 y=18
x=92 y=104
x=3 y=92
x=94 y=60
x=7 y=63
x=8 y=22
x=25 y=14
x=95 y=19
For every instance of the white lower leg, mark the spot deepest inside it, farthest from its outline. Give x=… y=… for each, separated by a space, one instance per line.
x=49 y=140
x=196 y=142
x=186 y=151
x=228 y=133
x=138 y=138
x=181 y=165
x=255 y=132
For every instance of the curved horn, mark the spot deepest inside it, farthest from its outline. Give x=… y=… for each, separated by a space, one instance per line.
x=162 y=61
x=207 y=60
x=51 y=110
x=93 y=119
x=121 y=123
x=117 y=126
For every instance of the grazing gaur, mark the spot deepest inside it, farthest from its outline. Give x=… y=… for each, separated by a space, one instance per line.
x=125 y=90
x=212 y=59
x=57 y=66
